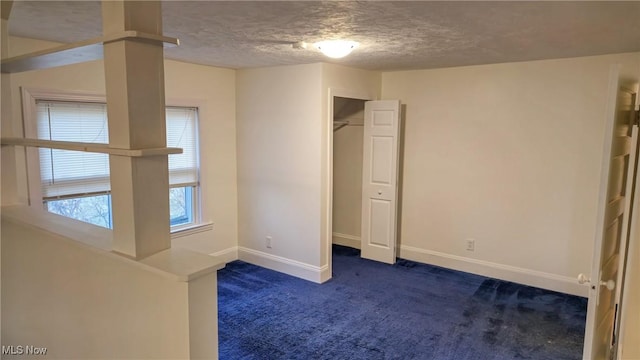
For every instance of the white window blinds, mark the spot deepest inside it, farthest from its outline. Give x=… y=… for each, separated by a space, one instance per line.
x=68 y=173
x=182 y=132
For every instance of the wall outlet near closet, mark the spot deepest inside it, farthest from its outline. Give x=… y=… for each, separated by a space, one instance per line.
x=267 y=242
x=471 y=244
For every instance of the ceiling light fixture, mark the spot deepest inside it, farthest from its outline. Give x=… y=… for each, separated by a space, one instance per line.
x=336 y=49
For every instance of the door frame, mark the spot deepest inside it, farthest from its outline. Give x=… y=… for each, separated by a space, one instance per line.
x=631 y=242
x=632 y=239
x=614 y=86
x=327 y=223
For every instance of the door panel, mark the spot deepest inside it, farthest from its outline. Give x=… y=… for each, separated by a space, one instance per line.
x=384 y=118
x=609 y=245
x=382 y=168
x=380 y=226
x=618 y=167
x=379 y=180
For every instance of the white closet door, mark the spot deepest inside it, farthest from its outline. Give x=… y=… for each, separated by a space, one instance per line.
x=380 y=180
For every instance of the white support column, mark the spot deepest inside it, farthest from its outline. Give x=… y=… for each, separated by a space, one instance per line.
x=9 y=181
x=134 y=72
x=5 y=10
x=5 y=109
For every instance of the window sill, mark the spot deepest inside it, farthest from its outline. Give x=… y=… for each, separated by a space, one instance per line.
x=191 y=230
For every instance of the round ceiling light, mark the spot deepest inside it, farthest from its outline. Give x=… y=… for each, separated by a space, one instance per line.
x=336 y=49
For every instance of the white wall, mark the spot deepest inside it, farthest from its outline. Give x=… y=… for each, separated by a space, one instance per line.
x=65 y=291
x=278 y=150
x=631 y=323
x=284 y=152
x=508 y=155
x=212 y=89
x=630 y=326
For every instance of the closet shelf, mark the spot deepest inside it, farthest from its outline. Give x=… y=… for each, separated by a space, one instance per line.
x=88 y=147
x=337 y=125
x=86 y=50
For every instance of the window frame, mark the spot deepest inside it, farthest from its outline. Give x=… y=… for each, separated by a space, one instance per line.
x=29 y=111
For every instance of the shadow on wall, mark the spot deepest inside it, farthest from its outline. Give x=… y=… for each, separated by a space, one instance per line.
x=403 y=120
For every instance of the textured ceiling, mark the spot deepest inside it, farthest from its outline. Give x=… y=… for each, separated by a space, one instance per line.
x=393 y=34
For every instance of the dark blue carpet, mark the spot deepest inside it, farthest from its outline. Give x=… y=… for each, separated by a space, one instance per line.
x=409 y=310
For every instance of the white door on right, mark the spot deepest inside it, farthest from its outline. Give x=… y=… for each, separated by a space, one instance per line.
x=380 y=180
x=613 y=224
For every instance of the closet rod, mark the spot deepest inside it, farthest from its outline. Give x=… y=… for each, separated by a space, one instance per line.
x=338 y=124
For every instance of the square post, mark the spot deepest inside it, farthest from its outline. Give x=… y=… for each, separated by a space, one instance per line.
x=134 y=72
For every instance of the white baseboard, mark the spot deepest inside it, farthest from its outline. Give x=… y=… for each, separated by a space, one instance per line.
x=321 y=274
x=563 y=284
x=227 y=255
x=346 y=240
x=317 y=274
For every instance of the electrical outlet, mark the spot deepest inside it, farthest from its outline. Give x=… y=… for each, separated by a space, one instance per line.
x=268 y=242
x=471 y=244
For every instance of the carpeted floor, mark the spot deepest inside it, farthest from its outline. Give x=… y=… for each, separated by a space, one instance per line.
x=371 y=310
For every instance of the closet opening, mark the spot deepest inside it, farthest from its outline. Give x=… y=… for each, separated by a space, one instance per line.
x=348 y=130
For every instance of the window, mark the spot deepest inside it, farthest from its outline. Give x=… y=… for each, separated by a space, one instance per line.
x=76 y=184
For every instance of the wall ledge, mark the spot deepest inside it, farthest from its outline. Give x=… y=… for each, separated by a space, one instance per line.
x=226 y=255
x=83 y=233
x=176 y=263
